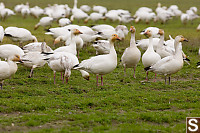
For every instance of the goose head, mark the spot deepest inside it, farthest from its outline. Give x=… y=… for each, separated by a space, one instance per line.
x=16 y=58
x=132 y=29
x=180 y=38
x=76 y=32
x=114 y=37
x=148 y=33
x=34 y=39
x=161 y=32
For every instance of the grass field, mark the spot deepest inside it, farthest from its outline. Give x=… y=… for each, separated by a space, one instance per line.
x=121 y=105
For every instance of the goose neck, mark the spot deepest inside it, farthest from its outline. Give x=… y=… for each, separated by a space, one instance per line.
x=150 y=47
x=161 y=41
x=132 y=42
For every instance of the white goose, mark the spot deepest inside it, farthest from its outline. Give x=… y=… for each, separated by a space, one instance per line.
x=7 y=69
x=64 y=21
x=37 y=46
x=161 y=49
x=102 y=47
x=101 y=64
x=170 y=64
x=19 y=34
x=44 y=21
x=132 y=54
x=72 y=47
x=9 y=50
x=1 y=34
x=33 y=60
x=150 y=57
x=59 y=61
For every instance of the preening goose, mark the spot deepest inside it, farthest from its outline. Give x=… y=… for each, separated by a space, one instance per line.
x=64 y=21
x=170 y=64
x=7 y=69
x=37 y=46
x=101 y=64
x=19 y=34
x=102 y=47
x=132 y=54
x=150 y=57
x=63 y=62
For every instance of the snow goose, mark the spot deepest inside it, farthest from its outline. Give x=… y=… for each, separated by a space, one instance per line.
x=9 y=50
x=37 y=46
x=101 y=47
x=99 y=9
x=170 y=64
x=150 y=57
x=19 y=34
x=59 y=61
x=144 y=43
x=58 y=31
x=132 y=54
x=102 y=26
x=7 y=69
x=198 y=27
x=44 y=21
x=95 y=17
x=72 y=47
x=33 y=59
x=64 y=21
x=85 y=8
x=101 y=64
x=36 y=11
x=161 y=49
x=154 y=31
x=1 y=34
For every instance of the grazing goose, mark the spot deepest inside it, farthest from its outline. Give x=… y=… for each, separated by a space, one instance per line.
x=101 y=64
x=9 y=50
x=154 y=31
x=150 y=57
x=132 y=54
x=170 y=64
x=72 y=47
x=44 y=21
x=19 y=34
x=7 y=69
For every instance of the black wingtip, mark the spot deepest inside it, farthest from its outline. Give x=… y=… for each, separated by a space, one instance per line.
x=48 y=30
x=8 y=35
x=75 y=66
x=198 y=63
x=46 y=53
x=147 y=68
x=186 y=59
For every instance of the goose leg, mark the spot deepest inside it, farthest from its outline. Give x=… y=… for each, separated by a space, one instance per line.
x=63 y=77
x=54 y=77
x=146 y=76
x=169 y=80
x=124 y=71
x=31 y=73
x=78 y=53
x=67 y=80
x=155 y=78
x=134 y=73
x=101 y=80
x=1 y=84
x=97 y=80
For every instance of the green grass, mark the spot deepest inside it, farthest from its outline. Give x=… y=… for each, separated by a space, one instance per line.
x=121 y=105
